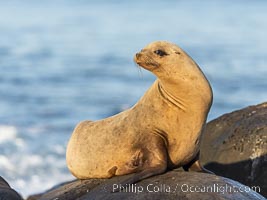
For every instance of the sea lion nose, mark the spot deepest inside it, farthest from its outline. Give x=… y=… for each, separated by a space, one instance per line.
x=138 y=55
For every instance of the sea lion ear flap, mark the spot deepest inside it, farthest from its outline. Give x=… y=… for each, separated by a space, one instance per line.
x=177 y=52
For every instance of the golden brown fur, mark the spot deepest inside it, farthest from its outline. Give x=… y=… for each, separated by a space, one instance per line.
x=162 y=130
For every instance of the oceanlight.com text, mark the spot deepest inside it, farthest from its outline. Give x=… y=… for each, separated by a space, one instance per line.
x=186 y=188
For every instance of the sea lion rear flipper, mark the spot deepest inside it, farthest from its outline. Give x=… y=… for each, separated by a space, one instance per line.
x=195 y=165
x=136 y=177
x=156 y=163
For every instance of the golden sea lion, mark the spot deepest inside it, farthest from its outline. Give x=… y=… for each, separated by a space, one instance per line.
x=162 y=130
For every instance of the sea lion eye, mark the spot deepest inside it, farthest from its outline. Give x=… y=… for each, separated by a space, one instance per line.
x=160 y=52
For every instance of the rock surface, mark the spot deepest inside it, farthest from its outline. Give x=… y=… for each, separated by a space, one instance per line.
x=171 y=185
x=6 y=192
x=235 y=146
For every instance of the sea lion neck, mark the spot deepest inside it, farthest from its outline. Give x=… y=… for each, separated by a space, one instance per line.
x=176 y=101
x=186 y=92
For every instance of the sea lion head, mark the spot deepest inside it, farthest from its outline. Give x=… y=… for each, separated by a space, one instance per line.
x=174 y=67
x=165 y=60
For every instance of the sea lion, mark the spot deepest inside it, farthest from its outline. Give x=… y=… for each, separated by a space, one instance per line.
x=161 y=131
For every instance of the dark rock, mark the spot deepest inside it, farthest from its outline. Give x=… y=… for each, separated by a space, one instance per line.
x=171 y=185
x=6 y=192
x=69 y=190
x=235 y=146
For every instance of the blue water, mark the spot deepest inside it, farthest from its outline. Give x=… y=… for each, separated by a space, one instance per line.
x=65 y=61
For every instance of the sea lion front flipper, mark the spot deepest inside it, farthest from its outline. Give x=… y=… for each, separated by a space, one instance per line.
x=136 y=177
x=195 y=165
x=156 y=163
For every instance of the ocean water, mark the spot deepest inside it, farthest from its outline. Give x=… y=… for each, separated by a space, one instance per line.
x=65 y=61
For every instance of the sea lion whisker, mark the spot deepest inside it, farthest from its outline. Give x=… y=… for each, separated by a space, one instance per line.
x=140 y=72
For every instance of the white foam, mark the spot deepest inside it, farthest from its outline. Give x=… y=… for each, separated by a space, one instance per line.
x=7 y=133
x=6 y=164
x=39 y=184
